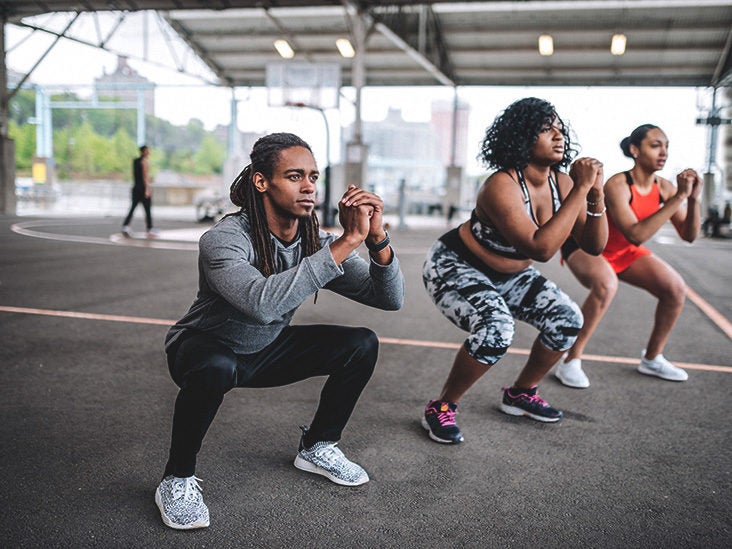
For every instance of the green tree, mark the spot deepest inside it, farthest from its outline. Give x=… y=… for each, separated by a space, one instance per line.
x=63 y=144
x=108 y=121
x=22 y=106
x=124 y=151
x=90 y=151
x=209 y=157
x=25 y=144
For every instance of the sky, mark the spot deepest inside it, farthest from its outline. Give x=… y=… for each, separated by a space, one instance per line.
x=599 y=117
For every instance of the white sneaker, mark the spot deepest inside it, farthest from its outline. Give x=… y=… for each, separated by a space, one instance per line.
x=153 y=233
x=660 y=367
x=571 y=374
x=181 y=503
x=126 y=230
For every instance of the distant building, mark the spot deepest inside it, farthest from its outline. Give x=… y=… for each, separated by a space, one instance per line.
x=123 y=84
x=417 y=152
x=442 y=122
x=245 y=140
x=401 y=150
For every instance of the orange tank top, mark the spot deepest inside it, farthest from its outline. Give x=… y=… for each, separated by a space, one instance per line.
x=643 y=206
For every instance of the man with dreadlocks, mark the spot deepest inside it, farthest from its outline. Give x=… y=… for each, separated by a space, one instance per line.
x=256 y=267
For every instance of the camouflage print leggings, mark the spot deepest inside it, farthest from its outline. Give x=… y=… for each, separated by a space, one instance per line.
x=486 y=306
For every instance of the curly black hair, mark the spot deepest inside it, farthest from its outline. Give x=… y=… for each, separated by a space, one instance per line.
x=508 y=141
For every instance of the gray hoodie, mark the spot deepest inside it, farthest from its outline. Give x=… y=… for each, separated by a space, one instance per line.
x=247 y=311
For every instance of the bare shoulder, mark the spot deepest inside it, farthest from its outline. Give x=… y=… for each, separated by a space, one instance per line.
x=666 y=187
x=616 y=188
x=617 y=182
x=499 y=188
x=497 y=183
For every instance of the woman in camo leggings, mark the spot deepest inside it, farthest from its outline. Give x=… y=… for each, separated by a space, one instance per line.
x=481 y=277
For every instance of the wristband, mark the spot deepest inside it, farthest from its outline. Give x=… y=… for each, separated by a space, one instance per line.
x=379 y=245
x=598 y=214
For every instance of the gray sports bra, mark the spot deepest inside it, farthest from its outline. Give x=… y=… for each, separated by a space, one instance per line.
x=491 y=239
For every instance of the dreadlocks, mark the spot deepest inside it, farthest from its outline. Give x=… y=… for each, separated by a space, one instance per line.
x=264 y=156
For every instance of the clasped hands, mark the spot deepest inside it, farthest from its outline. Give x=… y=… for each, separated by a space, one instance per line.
x=688 y=184
x=587 y=174
x=360 y=214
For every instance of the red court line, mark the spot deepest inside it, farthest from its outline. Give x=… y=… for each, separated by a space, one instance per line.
x=385 y=340
x=88 y=316
x=596 y=358
x=117 y=239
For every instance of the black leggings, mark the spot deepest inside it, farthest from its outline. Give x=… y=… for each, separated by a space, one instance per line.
x=205 y=370
x=138 y=197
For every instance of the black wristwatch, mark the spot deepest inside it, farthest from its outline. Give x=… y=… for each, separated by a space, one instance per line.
x=379 y=245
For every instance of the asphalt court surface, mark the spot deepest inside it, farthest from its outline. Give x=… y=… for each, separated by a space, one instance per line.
x=86 y=406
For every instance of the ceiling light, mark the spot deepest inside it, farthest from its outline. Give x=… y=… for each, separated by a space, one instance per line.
x=617 y=46
x=284 y=49
x=345 y=47
x=546 y=44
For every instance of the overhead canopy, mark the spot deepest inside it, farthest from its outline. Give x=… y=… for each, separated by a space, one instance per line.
x=669 y=42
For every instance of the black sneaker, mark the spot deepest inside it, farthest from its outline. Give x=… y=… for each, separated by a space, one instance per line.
x=439 y=420
x=528 y=403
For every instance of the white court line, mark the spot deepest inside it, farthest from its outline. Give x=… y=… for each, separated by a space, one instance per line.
x=386 y=340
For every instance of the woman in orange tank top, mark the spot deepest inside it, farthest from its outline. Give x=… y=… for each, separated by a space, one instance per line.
x=639 y=203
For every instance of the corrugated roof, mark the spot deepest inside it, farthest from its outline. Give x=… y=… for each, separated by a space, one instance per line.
x=669 y=42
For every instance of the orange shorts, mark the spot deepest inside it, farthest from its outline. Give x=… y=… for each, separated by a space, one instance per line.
x=625 y=257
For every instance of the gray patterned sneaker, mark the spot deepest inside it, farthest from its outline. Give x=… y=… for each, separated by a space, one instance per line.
x=181 y=503
x=325 y=458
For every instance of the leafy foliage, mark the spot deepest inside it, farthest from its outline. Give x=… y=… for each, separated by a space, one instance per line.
x=101 y=143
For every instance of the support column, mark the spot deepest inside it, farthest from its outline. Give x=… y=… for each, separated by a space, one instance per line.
x=7 y=146
x=454 y=173
x=727 y=144
x=235 y=157
x=141 y=132
x=356 y=149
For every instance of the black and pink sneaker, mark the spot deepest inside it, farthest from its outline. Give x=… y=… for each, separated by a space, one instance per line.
x=439 y=420
x=525 y=402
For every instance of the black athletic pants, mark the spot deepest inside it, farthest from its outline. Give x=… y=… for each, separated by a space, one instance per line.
x=205 y=370
x=137 y=197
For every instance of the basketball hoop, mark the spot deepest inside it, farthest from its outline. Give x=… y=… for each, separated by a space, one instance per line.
x=315 y=85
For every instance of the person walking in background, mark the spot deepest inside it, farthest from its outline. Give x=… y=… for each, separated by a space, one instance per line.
x=481 y=277
x=141 y=192
x=639 y=203
x=256 y=267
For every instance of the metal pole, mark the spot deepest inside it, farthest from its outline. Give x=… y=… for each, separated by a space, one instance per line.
x=40 y=120
x=402 y=203
x=327 y=210
x=58 y=37
x=7 y=147
x=48 y=130
x=327 y=217
x=710 y=183
x=4 y=98
x=233 y=115
x=358 y=79
x=140 y=117
x=453 y=144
